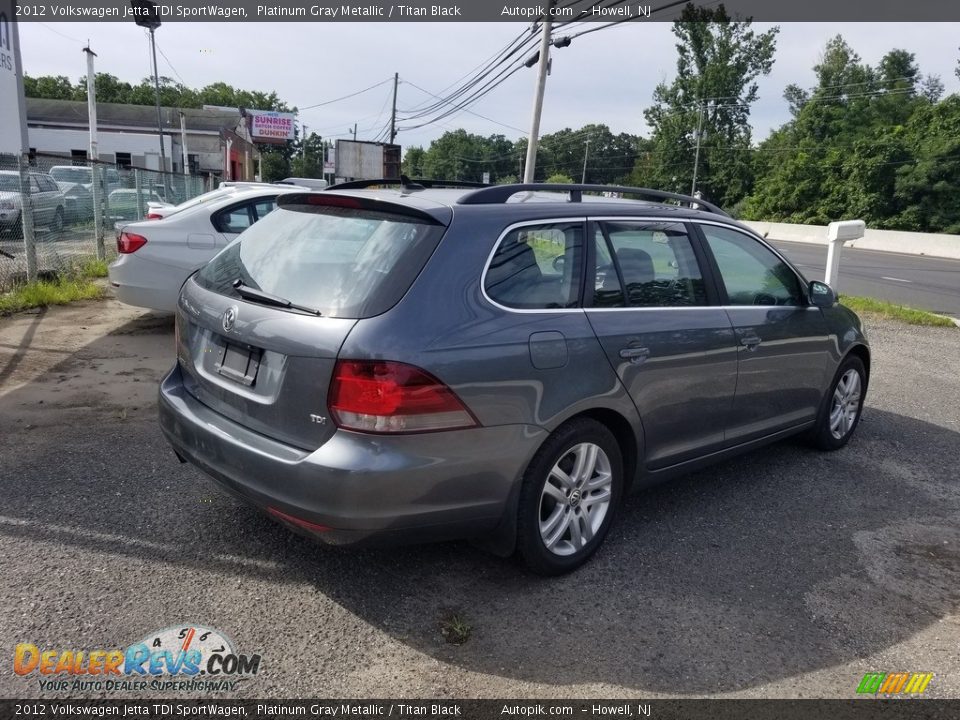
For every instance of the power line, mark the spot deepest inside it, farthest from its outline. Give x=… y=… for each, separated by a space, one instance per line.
x=471 y=112
x=346 y=97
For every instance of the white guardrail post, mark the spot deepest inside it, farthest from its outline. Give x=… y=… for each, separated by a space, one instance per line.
x=837 y=234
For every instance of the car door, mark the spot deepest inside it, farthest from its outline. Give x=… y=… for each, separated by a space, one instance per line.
x=662 y=330
x=42 y=214
x=783 y=341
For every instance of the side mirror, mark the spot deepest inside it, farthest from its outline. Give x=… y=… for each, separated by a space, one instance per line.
x=821 y=295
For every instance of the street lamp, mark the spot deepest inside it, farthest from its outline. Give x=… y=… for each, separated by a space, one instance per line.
x=146 y=15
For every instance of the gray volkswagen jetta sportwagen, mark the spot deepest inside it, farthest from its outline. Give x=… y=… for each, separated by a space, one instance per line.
x=423 y=362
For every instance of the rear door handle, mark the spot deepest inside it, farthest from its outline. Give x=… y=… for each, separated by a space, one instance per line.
x=635 y=354
x=751 y=342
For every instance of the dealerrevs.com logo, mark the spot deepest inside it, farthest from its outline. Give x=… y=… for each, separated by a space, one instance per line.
x=189 y=658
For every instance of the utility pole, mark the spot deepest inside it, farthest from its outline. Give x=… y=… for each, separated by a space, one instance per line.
x=156 y=89
x=544 y=61
x=696 y=158
x=354 y=132
x=93 y=153
x=393 y=116
x=183 y=143
x=303 y=147
x=586 y=152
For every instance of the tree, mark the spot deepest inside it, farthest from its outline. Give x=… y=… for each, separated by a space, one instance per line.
x=559 y=179
x=412 y=164
x=718 y=63
x=869 y=142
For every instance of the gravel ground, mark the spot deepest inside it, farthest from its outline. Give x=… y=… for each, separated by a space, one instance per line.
x=784 y=573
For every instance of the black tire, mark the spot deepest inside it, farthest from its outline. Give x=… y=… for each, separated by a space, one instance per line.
x=571 y=550
x=824 y=435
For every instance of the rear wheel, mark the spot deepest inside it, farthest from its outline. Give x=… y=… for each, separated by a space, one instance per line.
x=570 y=494
x=842 y=406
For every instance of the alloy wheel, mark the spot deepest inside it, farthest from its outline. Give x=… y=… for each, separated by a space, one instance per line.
x=575 y=499
x=846 y=404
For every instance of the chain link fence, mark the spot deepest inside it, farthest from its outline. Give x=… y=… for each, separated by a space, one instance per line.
x=57 y=211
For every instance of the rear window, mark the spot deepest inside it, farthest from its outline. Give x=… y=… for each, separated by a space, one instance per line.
x=344 y=262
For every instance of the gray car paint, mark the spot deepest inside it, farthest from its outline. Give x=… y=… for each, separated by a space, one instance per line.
x=262 y=444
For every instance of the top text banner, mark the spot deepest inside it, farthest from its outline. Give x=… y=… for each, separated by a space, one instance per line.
x=601 y=11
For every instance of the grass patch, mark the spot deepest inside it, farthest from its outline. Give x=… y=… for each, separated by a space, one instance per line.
x=892 y=311
x=91 y=268
x=455 y=628
x=49 y=292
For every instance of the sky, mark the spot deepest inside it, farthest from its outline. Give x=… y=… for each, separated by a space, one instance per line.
x=606 y=76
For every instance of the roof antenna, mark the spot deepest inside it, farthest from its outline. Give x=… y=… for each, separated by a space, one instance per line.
x=408 y=186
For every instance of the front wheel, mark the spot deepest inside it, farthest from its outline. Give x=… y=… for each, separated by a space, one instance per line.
x=569 y=496
x=842 y=406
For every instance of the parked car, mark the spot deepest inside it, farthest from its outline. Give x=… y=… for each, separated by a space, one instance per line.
x=155 y=257
x=76 y=182
x=123 y=204
x=158 y=210
x=504 y=363
x=48 y=202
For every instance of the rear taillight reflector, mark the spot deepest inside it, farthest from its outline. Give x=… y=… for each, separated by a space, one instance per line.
x=379 y=396
x=129 y=243
x=300 y=522
x=154 y=216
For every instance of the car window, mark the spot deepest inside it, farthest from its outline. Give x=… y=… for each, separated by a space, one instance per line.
x=751 y=273
x=607 y=290
x=655 y=263
x=265 y=207
x=537 y=267
x=235 y=219
x=34 y=185
x=345 y=262
x=9 y=183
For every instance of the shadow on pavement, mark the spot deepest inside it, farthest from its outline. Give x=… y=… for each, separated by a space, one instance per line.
x=782 y=562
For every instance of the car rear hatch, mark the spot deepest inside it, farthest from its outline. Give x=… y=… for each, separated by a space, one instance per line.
x=259 y=328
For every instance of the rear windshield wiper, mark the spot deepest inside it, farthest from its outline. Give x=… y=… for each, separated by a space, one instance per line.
x=249 y=293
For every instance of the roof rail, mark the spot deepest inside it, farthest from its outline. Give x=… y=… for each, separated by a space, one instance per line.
x=406 y=183
x=502 y=193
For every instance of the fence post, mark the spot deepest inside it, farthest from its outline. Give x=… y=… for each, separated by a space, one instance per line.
x=138 y=189
x=837 y=234
x=26 y=218
x=97 y=212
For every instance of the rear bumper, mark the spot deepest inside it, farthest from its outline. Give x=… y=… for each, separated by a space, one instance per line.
x=137 y=282
x=362 y=488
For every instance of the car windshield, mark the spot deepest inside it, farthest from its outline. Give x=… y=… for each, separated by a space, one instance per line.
x=9 y=183
x=73 y=175
x=345 y=262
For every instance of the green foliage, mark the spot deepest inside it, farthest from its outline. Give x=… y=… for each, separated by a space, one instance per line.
x=871 y=143
x=879 y=308
x=559 y=179
x=49 y=292
x=718 y=63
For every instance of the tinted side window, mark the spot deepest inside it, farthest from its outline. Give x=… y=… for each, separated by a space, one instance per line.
x=235 y=219
x=657 y=264
x=751 y=273
x=265 y=207
x=607 y=290
x=537 y=267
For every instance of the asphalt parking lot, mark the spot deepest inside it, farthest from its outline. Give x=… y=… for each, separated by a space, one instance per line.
x=784 y=573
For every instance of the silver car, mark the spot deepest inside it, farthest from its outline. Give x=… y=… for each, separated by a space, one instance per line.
x=47 y=200
x=502 y=363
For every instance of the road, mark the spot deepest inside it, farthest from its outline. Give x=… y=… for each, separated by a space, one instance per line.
x=783 y=573
x=926 y=283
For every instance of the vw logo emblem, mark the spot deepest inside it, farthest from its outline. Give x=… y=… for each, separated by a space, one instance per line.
x=229 y=318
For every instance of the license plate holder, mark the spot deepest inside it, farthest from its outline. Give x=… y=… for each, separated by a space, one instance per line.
x=238 y=363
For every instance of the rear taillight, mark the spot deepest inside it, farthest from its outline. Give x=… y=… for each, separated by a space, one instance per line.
x=129 y=243
x=154 y=216
x=390 y=397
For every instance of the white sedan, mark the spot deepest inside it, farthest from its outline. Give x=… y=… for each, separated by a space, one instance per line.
x=157 y=256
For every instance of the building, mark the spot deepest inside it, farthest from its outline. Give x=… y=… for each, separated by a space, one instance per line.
x=218 y=140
